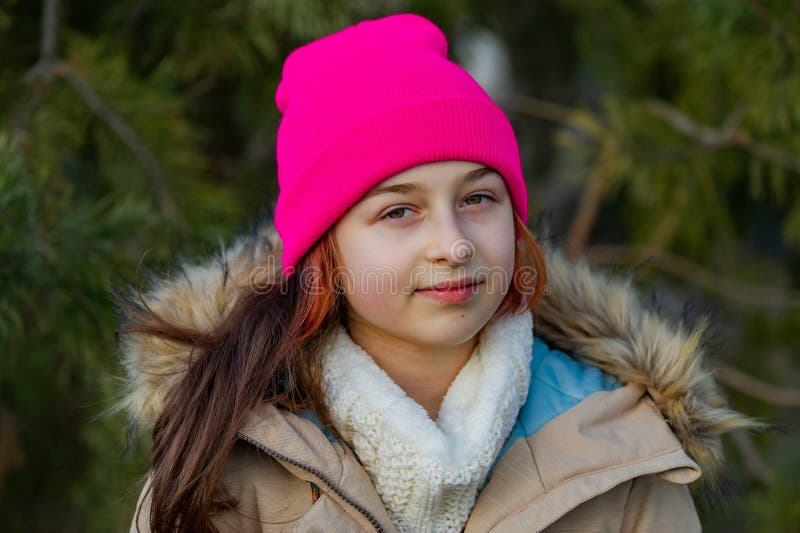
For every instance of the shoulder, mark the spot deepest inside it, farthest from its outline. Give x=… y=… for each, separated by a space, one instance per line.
x=269 y=497
x=646 y=503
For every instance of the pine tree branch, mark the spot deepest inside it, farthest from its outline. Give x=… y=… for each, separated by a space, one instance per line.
x=49 y=30
x=773 y=155
x=596 y=185
x=742 y=292
x=754 y=387
x=128 y=136
x=47 y=43
x=779 y=30
x=48 y=67
x=594 y=192
x=706 y=136
x=536 y=107
x=729 y=136
x=43 y=68
x=753 y=462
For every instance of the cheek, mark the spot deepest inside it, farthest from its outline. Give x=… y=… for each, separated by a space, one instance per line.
x=374 y=296
x=376 y=265
x=498 y=250
x=498 y=240
x=371 y=305
x=373 y=281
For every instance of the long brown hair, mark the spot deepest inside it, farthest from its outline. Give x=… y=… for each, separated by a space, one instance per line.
x=268 y=349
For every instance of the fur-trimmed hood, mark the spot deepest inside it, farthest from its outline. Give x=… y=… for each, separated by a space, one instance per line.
x=593 y=316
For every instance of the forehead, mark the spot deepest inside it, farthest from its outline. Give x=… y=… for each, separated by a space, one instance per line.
x=419 y=178
x=441 y=169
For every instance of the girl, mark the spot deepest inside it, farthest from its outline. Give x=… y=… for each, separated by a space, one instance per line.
x=386 y=376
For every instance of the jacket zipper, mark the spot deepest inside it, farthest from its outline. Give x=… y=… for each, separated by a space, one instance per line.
x=322 y=477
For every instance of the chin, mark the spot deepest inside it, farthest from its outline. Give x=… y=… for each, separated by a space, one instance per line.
x=449 y=329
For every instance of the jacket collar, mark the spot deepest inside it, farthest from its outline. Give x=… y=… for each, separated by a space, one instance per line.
x=542 y=476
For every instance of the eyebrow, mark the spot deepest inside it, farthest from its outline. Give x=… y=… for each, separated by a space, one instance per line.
x=404 y=188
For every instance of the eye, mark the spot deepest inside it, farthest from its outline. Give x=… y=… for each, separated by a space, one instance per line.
x=477 y=196
x=395 y=211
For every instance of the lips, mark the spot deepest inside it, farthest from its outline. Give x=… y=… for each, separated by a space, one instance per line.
x=452 y=284
x=452 y=292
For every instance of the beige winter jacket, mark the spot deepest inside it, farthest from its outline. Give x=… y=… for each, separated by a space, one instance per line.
x=608 y=458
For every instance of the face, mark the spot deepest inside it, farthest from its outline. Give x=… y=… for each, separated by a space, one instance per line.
x=444 y=223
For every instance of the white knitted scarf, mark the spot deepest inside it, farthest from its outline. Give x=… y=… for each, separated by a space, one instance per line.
x=428 y=473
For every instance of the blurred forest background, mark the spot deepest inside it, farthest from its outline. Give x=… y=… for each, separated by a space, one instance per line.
x=657 y=135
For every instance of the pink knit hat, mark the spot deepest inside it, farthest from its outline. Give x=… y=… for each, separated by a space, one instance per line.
x=370 y=101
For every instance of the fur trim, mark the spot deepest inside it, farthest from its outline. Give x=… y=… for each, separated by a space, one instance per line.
x=199 y=297
x=601 y=320
x=593 y=316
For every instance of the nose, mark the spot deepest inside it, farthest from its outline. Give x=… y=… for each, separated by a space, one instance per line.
x=448 y=242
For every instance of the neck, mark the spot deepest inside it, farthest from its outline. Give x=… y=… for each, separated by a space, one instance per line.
x=423 y=372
